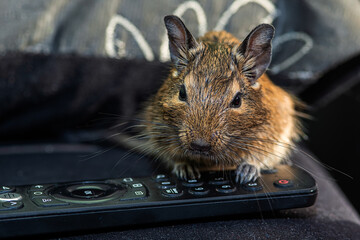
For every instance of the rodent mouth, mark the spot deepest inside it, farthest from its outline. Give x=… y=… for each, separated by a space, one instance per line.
x=199 y=153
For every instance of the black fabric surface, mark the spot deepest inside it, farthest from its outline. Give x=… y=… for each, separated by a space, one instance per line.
x=48 y=94
x=332 y=216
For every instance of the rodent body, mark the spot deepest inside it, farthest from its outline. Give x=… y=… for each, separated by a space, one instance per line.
x=217 y=108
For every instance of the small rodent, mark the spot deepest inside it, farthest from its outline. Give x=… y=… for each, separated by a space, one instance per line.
x=217 y=108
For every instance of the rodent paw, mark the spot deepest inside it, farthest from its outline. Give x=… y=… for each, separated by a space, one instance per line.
x=186 y=171
x=246 y=172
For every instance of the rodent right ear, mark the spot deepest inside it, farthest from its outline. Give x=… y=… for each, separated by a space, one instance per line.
x=256 y=50
x=180 y=41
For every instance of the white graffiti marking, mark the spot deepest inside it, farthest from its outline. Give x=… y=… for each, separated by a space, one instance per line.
x=112 y=43
x=110 y=38
x=237 y=4
x=297 y=55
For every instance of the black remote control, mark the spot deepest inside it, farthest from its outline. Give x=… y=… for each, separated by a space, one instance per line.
x=79 y=206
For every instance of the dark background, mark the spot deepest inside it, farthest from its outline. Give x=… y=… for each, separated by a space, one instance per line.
x=334 y=130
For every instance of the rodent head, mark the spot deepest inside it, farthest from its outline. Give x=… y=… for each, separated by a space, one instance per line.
x=212 y=95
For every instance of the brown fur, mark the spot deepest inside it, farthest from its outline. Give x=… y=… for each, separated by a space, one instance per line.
x=260 y=132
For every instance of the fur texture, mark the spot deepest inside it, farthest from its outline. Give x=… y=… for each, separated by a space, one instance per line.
x=204 y=129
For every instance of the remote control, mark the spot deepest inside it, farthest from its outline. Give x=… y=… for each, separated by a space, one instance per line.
x=86 y=205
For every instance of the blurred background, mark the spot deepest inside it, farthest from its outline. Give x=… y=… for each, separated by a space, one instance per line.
x=70 y=70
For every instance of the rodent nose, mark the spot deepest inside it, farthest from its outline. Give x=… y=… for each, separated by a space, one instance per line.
x=200 y=145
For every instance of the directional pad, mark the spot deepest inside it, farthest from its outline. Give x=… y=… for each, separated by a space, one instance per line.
x=90 y=192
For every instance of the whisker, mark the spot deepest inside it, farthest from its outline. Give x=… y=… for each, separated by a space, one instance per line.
x=259 y=150
x=266 y=191
x=96 y=154
x=295 y=149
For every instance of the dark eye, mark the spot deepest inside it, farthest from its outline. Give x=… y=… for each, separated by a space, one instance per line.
x=182 y=93
x=236 y=102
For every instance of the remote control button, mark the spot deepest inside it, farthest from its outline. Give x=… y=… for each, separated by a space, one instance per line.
x=36 y=194
x=137 y=185
x=252 y=186
x=199 y=191
x=166 y=185
x=160 y=177
x=172 y=192
x=6 y=189
x=88 y=193
x=89 y=190
x=216 y=180
x=269 y=171
x=140 y=193
x=10 y=205
x=226 y=188
x=37 y=187
x=127 y=180
x=5 y=197
x=47 y=201
x=134 y=195
x=192 y=183
x=283 y=183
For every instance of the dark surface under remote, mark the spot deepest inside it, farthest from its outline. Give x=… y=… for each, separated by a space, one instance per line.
x=87 y=205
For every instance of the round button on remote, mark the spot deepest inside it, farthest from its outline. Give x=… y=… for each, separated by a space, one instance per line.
x=192 y=183
x=13 y=204
x=166 y=185
x=283 y=183
x=6 y=189
x=226 y=188
x=160 y=177
x=90 y=192
x=36 y=194
x=216 y=180
x=252 y=186
x=37 y=187
x=269 y=171
x=199 y=191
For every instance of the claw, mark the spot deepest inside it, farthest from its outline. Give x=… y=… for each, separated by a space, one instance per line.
x=246 y=172
x=186 y=171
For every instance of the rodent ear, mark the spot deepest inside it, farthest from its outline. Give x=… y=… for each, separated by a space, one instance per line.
x=180 y=41
x=256 y=51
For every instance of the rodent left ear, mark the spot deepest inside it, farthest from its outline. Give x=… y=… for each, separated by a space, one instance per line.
x=180 y=41
x=255 y=51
